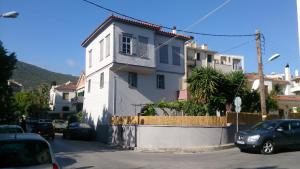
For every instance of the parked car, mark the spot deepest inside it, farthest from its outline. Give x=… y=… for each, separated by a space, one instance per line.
x=26 y=150
x=10 y=129
x=79 y=131
x=269 y=136
x=45 y=129
x=59 y=125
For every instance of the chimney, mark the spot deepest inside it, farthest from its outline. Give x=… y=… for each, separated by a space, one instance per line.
x=204 y=47
x=174 y=30
x=296 y=73
x=287 y=72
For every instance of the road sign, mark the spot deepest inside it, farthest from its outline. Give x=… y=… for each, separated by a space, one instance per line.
x=237 y=101
x=237 y=109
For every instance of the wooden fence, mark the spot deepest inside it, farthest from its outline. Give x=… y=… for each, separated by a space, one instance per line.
x=170 y=120
x=244 y=119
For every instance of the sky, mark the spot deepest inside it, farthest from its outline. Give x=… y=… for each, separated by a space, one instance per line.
x=48 y=33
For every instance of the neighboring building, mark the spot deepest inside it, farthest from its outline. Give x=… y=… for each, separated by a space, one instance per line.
x=15 y=86
x=286 y=85
x=78 y=100
x=201 y=56
x=130 y=63
x=61 y=98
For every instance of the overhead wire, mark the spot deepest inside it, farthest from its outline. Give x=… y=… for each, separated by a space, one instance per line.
x=179 y=30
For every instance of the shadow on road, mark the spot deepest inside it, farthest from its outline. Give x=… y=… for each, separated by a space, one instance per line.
x=72 y=146
x=65 y=161
x=265 y=167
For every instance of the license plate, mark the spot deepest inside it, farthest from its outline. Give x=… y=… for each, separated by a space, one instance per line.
x=240 y=142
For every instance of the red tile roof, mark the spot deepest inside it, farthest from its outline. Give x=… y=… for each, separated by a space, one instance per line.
x=287 y=98
x=254 y=76
x=70 y=86
x=143 y=24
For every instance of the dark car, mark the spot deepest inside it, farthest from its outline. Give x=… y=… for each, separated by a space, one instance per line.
x=45 y=129
x=26 y=150
x=269 y=136
x=79 y=131
x=10 y=129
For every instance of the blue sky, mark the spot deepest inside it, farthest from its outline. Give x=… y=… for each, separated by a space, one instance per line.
x=48 y=33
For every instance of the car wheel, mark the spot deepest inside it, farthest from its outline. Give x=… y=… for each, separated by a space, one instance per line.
x=268 y=147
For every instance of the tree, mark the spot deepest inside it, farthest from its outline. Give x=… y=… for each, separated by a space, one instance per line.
x=203 y=84
x=7 y=65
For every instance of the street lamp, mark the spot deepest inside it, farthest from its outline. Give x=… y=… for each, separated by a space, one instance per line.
x=273 y=57
x=11 y=14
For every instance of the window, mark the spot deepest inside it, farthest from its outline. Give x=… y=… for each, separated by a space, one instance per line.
x=107 y=41
x=90 y=58
x=80 y=93
x=126 y=44
x=101 y=80
x=176 y=55
x=198 y=56
x=89 y=85
x=132 y=79
x=163 y=54
x=65 y=96
x=143 y=47
x=296 y=125
x=65 y=108
x=209 y=58
x=101 y=50
x=160 y=80
x=285 y=126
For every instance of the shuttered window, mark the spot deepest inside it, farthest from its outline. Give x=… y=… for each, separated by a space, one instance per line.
x=107 y=41
x=143 y=47
x=101 y=50
x=163 y=54
x=89 y=86
x=90 y=57
x=176 y=55
x=101 y=80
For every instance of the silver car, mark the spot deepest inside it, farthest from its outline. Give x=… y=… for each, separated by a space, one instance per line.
x=26 y=150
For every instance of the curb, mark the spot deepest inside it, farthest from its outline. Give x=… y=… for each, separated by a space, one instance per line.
x=185 y=150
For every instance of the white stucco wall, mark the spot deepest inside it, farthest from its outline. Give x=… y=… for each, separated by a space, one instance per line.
x=146 y=91
x=95 y=47
x=58 y=102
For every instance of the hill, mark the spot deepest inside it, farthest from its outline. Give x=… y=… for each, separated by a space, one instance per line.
x=31 y=76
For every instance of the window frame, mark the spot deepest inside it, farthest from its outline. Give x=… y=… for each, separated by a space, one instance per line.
x=165 y=47
x=132 y=79
x=64 y=94
x=101 y=80
x=160 y=78
x=90 y=58
x=107 y=45
x=101 y=43
x=89 y=85
x=126 y=43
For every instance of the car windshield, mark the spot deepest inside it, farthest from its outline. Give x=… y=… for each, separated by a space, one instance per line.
x=268 y=125
x=24 y=153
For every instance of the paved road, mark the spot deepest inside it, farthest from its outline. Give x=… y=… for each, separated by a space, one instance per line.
x=94 y=155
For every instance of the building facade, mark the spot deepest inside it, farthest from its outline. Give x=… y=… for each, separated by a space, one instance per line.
x=130 y=64
x=61 y=96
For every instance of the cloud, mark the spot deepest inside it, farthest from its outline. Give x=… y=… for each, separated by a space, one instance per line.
x=71 y=63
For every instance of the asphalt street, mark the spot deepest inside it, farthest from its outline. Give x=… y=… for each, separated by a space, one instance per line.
x=94 y=155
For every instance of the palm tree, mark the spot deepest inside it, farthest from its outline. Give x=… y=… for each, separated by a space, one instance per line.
x=203 y=84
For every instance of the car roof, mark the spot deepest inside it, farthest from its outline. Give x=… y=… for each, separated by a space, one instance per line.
x=21 y=137
x=282 y=120
x=9 y=126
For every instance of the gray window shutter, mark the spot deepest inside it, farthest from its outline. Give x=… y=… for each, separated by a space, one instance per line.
x=120 y=43
x=143 y=47
x=163 y=54
x=134 y=46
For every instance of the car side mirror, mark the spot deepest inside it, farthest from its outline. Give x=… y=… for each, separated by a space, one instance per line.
x=280 y=129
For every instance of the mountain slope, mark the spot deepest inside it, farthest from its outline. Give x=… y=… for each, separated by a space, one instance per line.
x=31 y=76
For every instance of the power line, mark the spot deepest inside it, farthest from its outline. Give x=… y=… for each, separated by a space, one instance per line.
x=179 y=30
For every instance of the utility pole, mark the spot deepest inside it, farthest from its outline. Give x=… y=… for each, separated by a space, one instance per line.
x=260 y=74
